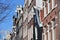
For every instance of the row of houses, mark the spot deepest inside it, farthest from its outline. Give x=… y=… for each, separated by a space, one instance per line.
x=26 y=23
x=37 y=20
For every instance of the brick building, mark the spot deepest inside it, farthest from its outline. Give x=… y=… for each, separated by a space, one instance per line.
x=28 y=20
x=49 y=17
x=30 y=30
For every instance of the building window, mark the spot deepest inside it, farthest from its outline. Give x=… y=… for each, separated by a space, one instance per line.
x=53 y=30
x=53 y=22
x=44 y=30
x=45 y=14
x=49 y=33
x=29 y=2
x=53 y=3
x=48 y=6
x=45 y=36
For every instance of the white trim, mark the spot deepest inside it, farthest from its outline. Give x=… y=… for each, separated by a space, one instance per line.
x=47 y=30
x=45 y=37
x=56 y=17
x=13 y=26
x=44 y=30
x=48 y=7
x=53 y=31
x=49 y=36
x=52 y=28
x=45 y=10
x=53 y=35
x=52 y=23
x=53 y=3
x=43 y=33
x=53 y=8
x=56 y=24
x=48 y=27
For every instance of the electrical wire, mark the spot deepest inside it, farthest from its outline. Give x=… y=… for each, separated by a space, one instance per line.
x=4 y=8
x=5 y=15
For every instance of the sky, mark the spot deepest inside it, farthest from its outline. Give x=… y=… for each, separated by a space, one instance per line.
x=6 y=23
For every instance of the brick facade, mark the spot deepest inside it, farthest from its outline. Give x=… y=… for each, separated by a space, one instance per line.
x=49 y=17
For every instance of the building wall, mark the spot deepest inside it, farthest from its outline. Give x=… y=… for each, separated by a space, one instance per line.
x=49 y=17
x=25 y=22
x=27 y=16
x=30 y=33
x=20 y=33
x=17 y=24
x=59 y=19
x=25 y=30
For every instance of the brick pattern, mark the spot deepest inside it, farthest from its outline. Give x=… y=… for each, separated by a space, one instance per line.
x=47 y=20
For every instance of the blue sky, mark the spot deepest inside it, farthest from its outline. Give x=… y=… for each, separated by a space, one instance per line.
x=6 y=23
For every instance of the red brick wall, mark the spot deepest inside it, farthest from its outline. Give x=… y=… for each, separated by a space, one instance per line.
x=49 y=17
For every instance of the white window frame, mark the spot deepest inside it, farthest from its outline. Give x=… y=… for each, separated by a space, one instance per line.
x=29 y=2
x=53 y=3
x=48 y=7
x=53 y=30
x=45 y=9
x=45 y=34
x=49 y=33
